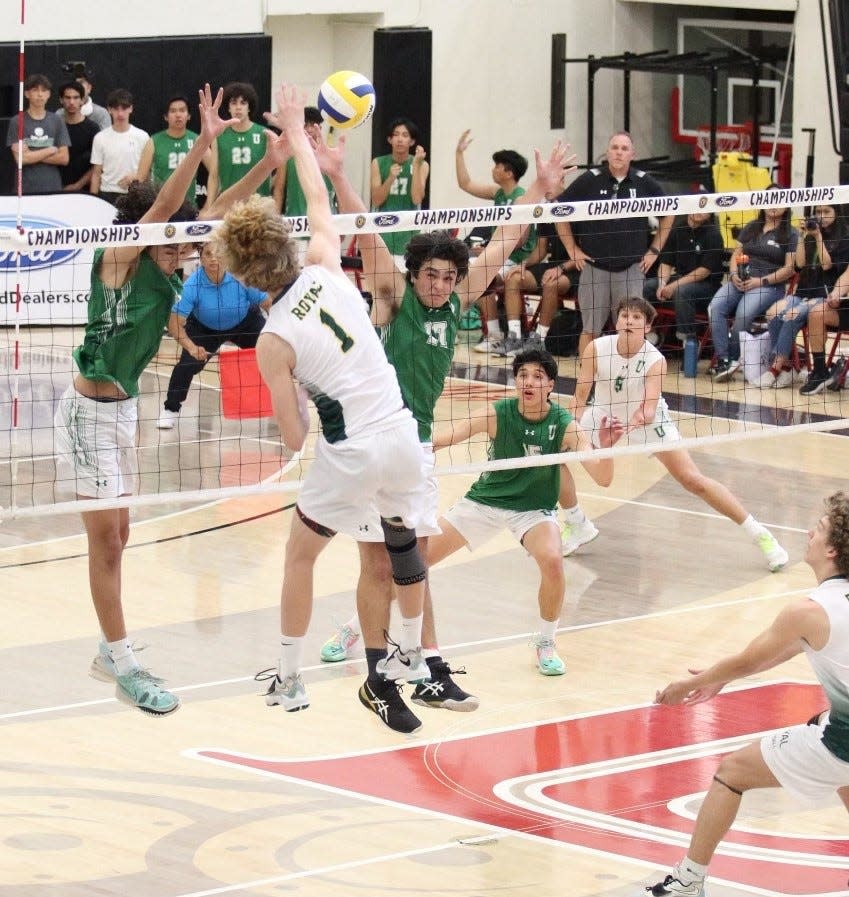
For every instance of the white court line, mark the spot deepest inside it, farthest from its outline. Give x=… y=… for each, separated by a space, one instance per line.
x=524 y=636
x=341 y=867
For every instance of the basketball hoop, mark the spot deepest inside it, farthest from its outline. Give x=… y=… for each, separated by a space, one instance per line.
x=729 y=139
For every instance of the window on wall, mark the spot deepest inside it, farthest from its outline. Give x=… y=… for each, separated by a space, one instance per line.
x=769 y=42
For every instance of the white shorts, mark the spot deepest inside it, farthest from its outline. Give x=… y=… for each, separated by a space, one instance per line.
x=478 y=523
x=383 y=471
x=502 y=271
x=803 y=764
x=96 y=445
x=426 y=497
x=660 y=432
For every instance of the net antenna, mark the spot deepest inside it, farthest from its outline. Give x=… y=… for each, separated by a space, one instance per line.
x=729 y=139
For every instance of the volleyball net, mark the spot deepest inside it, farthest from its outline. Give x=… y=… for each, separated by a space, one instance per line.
x=225 y=441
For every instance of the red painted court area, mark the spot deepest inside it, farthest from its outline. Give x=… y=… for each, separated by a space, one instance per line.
x=603 y=781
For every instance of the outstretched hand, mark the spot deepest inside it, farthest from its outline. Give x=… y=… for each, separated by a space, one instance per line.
x=290 y=109
x=464 y=141
x=331 y=159
x=553 y=170
x=682 y=692
x=211 y=124
x=610 y=431
x=277 y=148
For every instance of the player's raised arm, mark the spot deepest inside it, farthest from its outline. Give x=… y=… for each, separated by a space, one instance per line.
x=386 y=281
x=324 y=237
x=550 y=172
x=586 y=378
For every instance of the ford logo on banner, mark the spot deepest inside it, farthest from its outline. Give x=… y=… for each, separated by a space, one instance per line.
x=197 y=230
x=725 y=202
x=386 y=220
x=37 y=257
x=562 y=211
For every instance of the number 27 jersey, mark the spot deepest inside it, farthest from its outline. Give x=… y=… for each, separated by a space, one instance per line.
x=338 y=356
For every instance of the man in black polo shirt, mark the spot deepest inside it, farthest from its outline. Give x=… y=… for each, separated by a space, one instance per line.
x=613 y=254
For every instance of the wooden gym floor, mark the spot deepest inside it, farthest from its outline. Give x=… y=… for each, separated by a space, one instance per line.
x=555 y=786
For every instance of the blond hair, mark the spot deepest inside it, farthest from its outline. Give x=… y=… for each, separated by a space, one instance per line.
x=255 y=244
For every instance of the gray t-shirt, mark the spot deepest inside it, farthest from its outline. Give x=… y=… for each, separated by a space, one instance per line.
x=38 y=134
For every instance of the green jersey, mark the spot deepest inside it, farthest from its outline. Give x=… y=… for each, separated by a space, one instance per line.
x=125 y=323
x=419 y=344
x=399 y=200
x=238 y=152
x=526 y=488
x=295 y=203
x=519 y=254
x=168 y=153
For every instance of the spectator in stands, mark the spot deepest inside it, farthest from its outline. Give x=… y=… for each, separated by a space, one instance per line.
x=690 y=270
x=612 y=254
x=508 y=169
x=117 y=150
x=399 y=181
x=822 y=254
x=98 y=114
x=76 y=175
x=242 y=145
x=770 y=244
x=164 y=151
x=546 y=270
x=44 y=148
x=214 y=308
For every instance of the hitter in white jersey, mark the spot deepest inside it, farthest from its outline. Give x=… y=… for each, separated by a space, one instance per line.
x=628 y=375
x=319 y=342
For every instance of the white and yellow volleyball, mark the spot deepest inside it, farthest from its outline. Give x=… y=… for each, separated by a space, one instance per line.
x=346 y=99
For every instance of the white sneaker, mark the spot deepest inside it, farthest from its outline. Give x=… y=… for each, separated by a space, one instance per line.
x=408 y=665
x=783 y=380
x=289 y=692
x=776 y=556
x=167 y=419
x=673 y=885
x=767 y=380
x=491 y=344
x=574 y=535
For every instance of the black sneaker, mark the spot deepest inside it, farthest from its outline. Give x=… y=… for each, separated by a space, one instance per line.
x=442 y=691
x=837 y=374
x=384 y=699
x=815 y=383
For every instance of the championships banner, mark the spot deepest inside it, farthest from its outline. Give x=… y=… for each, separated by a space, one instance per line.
x=54 y=280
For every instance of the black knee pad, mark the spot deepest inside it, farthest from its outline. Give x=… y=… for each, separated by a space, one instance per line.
x=408 y=568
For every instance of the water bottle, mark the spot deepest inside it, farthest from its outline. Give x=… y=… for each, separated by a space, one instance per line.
x=691 y=356
x=743 y=266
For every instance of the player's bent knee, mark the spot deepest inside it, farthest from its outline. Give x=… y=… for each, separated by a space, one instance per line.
x=408 y=566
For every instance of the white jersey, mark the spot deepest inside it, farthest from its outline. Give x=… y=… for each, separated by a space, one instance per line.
x=831 y=663
x=339 y=359
x=620 y=383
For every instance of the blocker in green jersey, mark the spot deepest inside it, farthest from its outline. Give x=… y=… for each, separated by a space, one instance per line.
x=419 y=313
x=133 y=289
x=523 y=499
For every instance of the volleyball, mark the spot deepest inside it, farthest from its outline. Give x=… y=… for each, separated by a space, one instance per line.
x=346 y=99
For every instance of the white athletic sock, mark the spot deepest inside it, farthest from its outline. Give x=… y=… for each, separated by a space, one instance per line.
x=547 y=628
x=693 y=869
x=493 y=329
x=752 y=527
x=575 y=516
x=291 y=652
x=514 y=328
x=411 y=633
x=431 y=652
x=542 y=330
x=354 y=625
x=122 y=656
